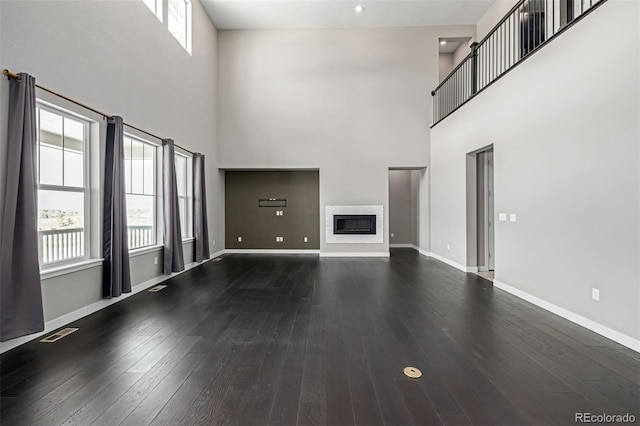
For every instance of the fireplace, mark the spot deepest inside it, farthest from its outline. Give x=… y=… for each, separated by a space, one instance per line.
x=354 y=224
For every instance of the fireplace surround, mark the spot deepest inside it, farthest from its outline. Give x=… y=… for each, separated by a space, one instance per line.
x=353 y=224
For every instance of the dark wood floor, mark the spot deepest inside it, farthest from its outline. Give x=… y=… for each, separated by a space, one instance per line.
x=261 y=340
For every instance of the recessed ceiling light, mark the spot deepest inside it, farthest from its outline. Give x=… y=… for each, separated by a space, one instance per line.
x=443 y=42
x=359 y=8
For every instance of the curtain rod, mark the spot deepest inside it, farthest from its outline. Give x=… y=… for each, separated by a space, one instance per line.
x=10 y=74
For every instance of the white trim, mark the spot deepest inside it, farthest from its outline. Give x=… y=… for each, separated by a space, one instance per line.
x=145 y=250
x=605 y=331
x=424 y=252
x=448 y=262
x=472 y=269
x=216 y=254
x=354 y=254
x=70 y=268
x=95 y=307
x=271 y=251
x=411 y=246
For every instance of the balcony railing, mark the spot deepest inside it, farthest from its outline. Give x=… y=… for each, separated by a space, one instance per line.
x=140 y=236
x=61 y=244
x=527 y=27
x=69 y=243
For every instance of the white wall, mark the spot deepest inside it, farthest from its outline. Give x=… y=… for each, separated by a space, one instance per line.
x=445 y=65
x=120 y=59
x=461 y=52
x=351 y=103
x=564 y=127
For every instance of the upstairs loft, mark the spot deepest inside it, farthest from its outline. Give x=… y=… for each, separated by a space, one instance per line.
x=525 y=29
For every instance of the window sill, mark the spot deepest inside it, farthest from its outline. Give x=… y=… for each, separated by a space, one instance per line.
x=151 y=249
x=145 y=250
x=68 y=269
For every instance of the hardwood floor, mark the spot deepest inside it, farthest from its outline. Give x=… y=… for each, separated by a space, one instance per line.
x=298 y=340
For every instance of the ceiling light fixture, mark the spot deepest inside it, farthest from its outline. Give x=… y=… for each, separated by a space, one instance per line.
x=443 y=42
x=359 y=8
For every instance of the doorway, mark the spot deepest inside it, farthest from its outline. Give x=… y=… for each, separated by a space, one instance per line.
x=480 y=213
x=408 y=208
x=485 y=213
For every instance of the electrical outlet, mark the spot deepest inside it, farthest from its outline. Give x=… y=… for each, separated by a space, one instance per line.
x=513 y=217
x=448 y=246
x=393 y=235
x=239 y=239
x=279 y=239
x=502 y=217
x=305 y=239
x=155 y=260
x=595 y=294
x=213 y=243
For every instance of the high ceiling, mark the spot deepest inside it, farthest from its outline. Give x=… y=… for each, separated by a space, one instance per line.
x=302 y=14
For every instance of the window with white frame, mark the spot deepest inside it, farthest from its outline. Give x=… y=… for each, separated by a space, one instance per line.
x=155 y=6
x=183 y=165
x=63 y=196
x=140 y=187
x=179 y=22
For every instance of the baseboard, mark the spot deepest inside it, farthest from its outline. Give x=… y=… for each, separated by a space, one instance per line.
x=354 y=254
x=411 y=246
x=272 y=251
x=605 y=331
x=448 y=262
x=65 y=319
x=424 y=252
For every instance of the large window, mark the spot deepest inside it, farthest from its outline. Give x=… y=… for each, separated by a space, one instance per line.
x=183 y=166
x=62 y=185
x=179 y=18
x=140 y=186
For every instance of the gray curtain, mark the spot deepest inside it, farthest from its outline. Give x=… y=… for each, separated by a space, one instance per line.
x=200 y=228
x=20 y=291
x=173 y=256
x=116 y=276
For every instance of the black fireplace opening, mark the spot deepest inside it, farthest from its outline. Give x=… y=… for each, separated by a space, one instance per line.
x=354 y=224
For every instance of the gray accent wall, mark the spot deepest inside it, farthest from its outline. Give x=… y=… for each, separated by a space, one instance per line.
x=118 y=58
x=350 y=102
x=567 y=163
x=259 y=226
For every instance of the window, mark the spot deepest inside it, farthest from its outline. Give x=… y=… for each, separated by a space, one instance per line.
x=184 y=194
x=155 y=6
x=140 y=187
x=62 y=185
x=179 y=18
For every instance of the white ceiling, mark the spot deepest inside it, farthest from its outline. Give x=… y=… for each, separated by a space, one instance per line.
x=302 y=14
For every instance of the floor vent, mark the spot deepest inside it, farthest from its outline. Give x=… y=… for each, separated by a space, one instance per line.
x=59 y=335
x=157 y=288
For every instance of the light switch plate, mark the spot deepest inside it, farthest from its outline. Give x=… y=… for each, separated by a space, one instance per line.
x=512 y=217
x=502 y=217
x=239 y=239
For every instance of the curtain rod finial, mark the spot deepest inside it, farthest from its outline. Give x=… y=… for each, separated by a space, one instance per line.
x=10 y=74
